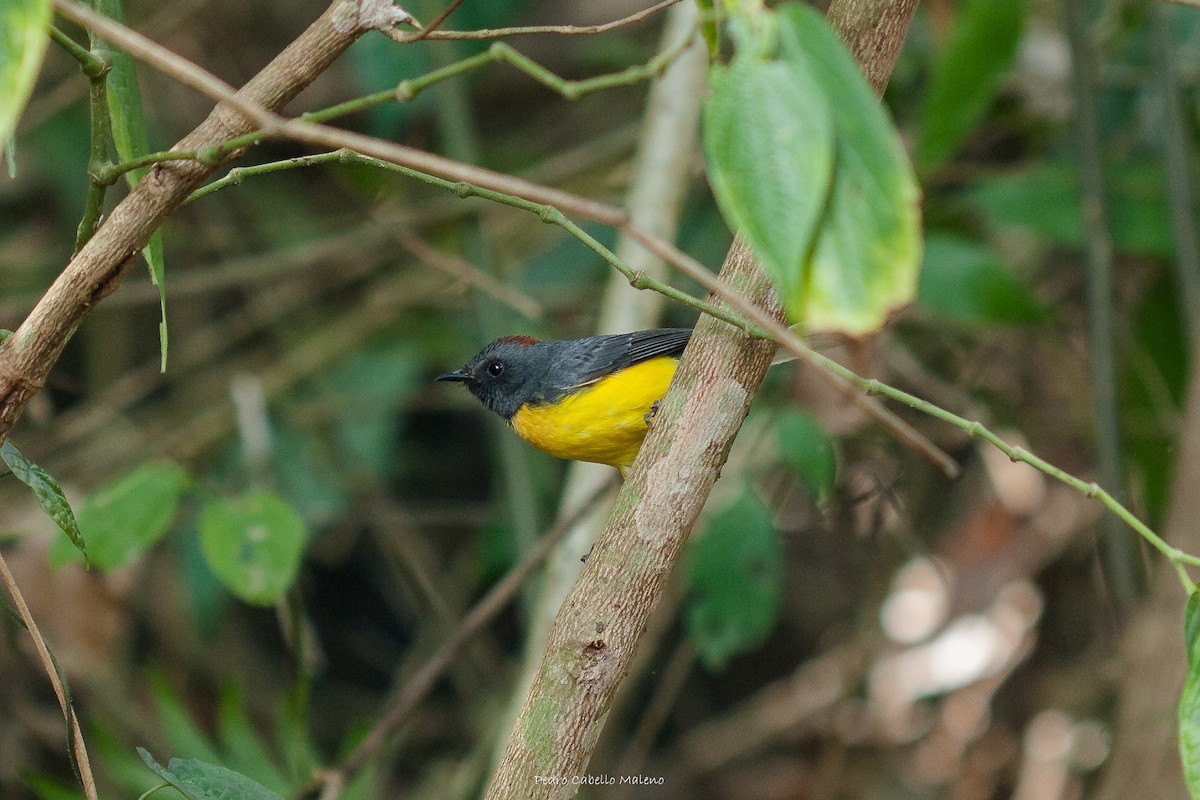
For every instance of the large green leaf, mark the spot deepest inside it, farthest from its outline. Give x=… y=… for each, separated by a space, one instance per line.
x=199 y=780
x=768 y=138
x=254 y=544
x=129 y=135
x=735 y=578
x=868 y=250
x=129 y=515
x=965 y=76
x=24 y=32
x=1189 y=700
x=47 y=491
x=843 y=247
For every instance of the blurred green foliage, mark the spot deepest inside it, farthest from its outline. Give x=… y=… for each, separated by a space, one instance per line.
x=385 y=504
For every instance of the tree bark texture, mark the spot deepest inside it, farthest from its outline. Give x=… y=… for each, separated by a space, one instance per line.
x=27 y=356
x=596 y=632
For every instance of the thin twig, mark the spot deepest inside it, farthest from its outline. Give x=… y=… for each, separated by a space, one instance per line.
x=430 y=28
x=468 y=272
x=526 y=30
x=409 y=89
x=92 y=64
x=74 y=732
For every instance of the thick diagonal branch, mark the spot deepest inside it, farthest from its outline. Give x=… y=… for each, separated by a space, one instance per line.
x=27 y=356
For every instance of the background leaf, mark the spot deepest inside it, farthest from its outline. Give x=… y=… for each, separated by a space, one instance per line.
x=253 y=543
x=127 y=517
x=1044 y=199
x=131 y=140
x=768 y=139
x=182 y=732
x=24 y=26
x=965 y=76
x=807 y=449
x=967 y=280
x=49 y=494
x=735 y=577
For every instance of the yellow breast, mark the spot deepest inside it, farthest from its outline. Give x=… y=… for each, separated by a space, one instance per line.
x=604 y=422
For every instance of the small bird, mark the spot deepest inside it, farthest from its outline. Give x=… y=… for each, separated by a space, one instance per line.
x=589 y=399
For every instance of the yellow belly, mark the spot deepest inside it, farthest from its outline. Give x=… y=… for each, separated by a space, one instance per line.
x=604 y=422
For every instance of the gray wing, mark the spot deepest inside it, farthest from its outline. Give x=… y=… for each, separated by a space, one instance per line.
x=598 y=356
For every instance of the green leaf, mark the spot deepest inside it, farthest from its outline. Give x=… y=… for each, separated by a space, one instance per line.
x=966 y=75
x=735 y=577
x=129 y=515
x=769 y=142
x=199 y=780
x=291 y=732
x=808 y=451
x=24 y=33
x=243 y=746
x=129 y=135
x=308 y=477
x=1044 y=199
x=766 y=137
x=369 y=389
x=182 y=732
x=1189 y=700
x=49 y=494
x=868 y=251
x=966 y=280
x=254 y=544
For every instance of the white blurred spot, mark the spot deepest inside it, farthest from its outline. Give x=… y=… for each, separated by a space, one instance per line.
x=1020 y=488
x=917 y=605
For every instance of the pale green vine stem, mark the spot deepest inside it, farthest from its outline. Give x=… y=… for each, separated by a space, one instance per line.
x=408 y=90
x=758 y=324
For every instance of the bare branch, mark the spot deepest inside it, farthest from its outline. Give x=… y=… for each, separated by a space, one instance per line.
x=526 y=30
x=27 y=356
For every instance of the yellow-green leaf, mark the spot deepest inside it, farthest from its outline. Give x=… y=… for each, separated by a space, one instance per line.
x=24 y=32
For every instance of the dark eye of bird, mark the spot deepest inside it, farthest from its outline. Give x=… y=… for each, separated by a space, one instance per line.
x=494 y=368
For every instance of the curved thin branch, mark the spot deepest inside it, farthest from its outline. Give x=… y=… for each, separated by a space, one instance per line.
x=499 y=33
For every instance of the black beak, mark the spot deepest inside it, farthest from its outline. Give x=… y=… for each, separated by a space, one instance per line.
x=458 y=376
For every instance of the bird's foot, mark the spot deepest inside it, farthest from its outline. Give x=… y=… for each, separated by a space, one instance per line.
x=649 y=417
